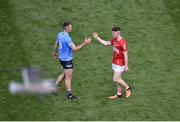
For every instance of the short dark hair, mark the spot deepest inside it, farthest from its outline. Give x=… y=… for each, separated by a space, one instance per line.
x=66 y=24
x=116 y=28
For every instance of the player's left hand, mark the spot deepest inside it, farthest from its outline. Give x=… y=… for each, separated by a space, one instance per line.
x=126 y=68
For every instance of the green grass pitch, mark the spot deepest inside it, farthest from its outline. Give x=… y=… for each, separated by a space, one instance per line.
x=151 y=28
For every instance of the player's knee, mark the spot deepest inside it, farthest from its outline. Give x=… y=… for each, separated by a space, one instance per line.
x=119 y=80
x=115 y=79
x=68 y=75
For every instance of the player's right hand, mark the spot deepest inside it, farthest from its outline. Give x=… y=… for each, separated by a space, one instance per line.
x=55 y=55
x=95 y=35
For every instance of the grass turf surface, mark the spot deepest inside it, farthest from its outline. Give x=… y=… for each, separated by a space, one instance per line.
x=151 y=28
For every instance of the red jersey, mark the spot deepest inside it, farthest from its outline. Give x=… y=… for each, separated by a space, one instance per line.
x=119 y=46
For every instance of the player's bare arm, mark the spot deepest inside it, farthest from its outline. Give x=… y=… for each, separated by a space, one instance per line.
x=77 y=48
x=125 y=53
x=105 y=43
x=55 y=53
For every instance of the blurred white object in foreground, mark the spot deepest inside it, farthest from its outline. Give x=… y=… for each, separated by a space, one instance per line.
x=33 y=84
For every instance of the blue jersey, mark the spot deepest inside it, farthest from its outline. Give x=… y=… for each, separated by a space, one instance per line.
x=65 y=43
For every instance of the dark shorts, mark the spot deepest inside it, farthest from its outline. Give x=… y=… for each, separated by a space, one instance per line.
x=67 y=64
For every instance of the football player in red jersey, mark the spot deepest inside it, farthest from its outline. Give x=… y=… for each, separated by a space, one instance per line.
x=120 y=60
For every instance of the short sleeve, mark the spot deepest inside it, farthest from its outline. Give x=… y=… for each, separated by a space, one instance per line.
x=124 y=46
x=112 y=42
x=69 y=42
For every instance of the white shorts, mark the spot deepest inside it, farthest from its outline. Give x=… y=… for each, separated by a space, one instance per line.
x=118 y=68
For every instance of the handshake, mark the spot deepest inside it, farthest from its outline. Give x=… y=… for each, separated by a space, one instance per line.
x=88 y=40
x=75 y=48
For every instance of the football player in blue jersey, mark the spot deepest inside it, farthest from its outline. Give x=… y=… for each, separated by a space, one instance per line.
x=66 y=49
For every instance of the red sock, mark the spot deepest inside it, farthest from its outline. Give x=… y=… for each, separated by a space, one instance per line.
x=119 y=91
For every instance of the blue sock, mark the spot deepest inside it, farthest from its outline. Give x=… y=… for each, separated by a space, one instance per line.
x=69 y=93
